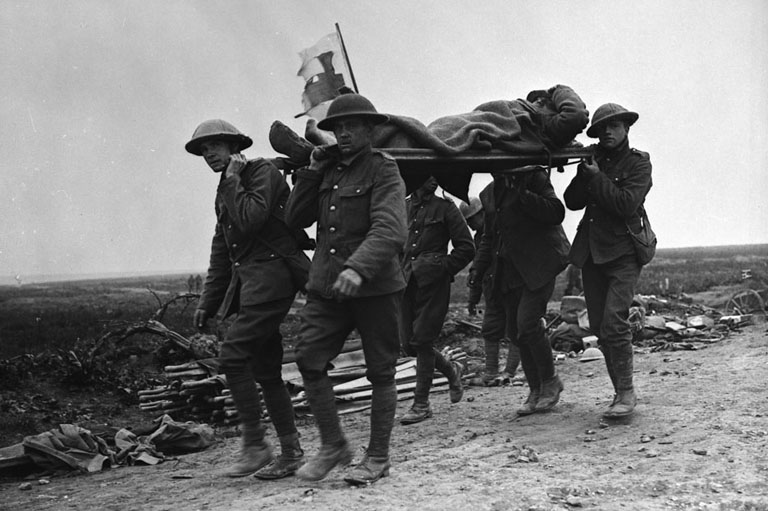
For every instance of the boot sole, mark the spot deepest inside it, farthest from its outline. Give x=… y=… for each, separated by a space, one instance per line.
x=365 y=482
x=343 y=461
x=275 y=475
x=416 y=421
x=248 y=473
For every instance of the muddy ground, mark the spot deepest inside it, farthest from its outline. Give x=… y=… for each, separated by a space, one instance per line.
x=699 y=440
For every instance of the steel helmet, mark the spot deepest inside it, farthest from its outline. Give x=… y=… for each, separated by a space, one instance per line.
x=471 y=209
x=609 y=112
x=217 y=129
x=349 y=105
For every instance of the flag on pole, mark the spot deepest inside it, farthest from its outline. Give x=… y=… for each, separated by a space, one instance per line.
x=324 y=70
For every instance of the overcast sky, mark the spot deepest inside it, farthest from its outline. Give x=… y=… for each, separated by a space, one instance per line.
x=97 y=100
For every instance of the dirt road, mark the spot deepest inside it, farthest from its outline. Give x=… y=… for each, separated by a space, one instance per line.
x=699 y=440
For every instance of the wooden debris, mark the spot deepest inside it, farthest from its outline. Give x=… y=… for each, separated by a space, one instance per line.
x=197 y=394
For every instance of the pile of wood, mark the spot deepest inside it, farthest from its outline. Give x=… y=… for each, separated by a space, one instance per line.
x=196 y=392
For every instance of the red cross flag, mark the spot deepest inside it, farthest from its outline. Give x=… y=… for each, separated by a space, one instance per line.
x=325 y=69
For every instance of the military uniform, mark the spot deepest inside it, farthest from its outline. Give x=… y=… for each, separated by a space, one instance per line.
x=359 y=209
x=429 y=269
x=613 y=202
x=522 y=250
x=248 y=279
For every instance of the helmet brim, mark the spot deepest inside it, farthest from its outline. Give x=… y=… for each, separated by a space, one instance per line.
x=376 y=118
x=243 y=142
x=628 y=117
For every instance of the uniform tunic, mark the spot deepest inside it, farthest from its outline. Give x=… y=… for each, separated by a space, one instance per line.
x=359 y=209
x=244 y=276
x=429 y=269
x=613 y=202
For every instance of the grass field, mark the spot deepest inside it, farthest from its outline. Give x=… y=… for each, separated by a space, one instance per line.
x=48 y=316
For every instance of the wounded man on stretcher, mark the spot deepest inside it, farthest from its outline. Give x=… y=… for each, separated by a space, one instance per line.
x=496 y=135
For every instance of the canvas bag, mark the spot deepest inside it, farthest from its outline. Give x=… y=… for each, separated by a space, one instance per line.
x=644 y=240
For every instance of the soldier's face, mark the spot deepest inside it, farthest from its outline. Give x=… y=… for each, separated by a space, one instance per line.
x=429 y=186
x=613 y=134
x=352 y=135
x=216 y=154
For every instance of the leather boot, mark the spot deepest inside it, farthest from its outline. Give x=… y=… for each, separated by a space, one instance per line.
x=541 y=352
x=369 y=470
x=252 y=458
x=324 y=461
x=255 y=453
x=550 y=394
x=531 y=371
x=623 y=405
x=317 y=136
x=286 y=141
x=334 y=449
x=425 y=370
x=529 y=406
x=453 y=371
x=417 y=413
x=287 y=463
x=622 y=361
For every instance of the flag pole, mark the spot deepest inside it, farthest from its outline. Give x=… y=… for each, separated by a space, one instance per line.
x=346 y=58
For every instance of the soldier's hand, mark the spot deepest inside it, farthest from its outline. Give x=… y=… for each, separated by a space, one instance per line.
x=200 y=319
x=347 y=283
x=588 y=168
x=320 y=159
x=237 y=163
x=472 y=308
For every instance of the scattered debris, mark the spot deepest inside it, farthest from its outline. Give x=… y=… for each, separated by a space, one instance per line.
x=523 y=454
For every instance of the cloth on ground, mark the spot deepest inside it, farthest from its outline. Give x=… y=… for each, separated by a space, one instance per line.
x=76 y=448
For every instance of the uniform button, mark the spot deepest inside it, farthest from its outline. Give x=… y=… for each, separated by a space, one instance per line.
x=335 y=187
x=332 y=229
x=237 y=264
x=272 y=255
x=234 y=245
x=591 y=219
x=332 y=251
x=413 y=257
x=229 y=226
x=413 y=245
x=357 y=190
x=332 y=208
x=416 y=231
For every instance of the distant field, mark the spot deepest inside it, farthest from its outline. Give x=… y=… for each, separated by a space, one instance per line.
x=36 y=317
x=693 y=270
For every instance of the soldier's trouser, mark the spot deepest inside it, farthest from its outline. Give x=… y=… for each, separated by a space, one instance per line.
x=524 y=309
x=253 y=352
x=494 y=329
x=325 y=325
x=423 y=313
x=608 y=290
